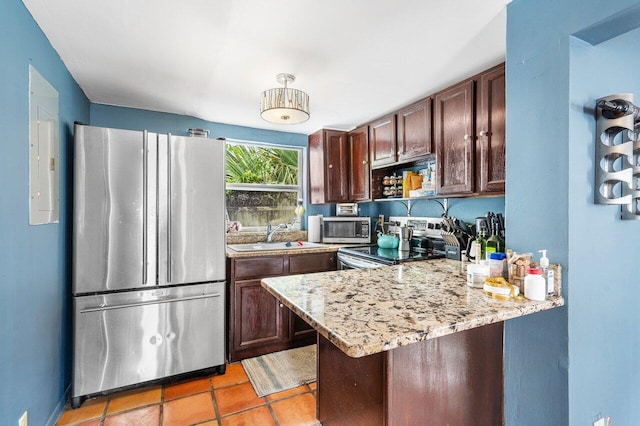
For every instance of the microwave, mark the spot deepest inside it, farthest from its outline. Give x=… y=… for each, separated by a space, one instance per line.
x=346 y=229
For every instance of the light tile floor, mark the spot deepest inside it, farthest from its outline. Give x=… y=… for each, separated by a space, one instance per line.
x=227 y=400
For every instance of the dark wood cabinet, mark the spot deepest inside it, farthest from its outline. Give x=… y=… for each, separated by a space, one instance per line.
x=359 y=170
x=469 y=135
x=260 y=318
x=456 y=379
x=414 y=131
x=328 y=167
x=490 y=131
x=464 y=125
x=454 y=125
x=382 y=141
x=258 y=323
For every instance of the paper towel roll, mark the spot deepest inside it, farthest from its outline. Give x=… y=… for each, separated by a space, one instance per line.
x=313 y=229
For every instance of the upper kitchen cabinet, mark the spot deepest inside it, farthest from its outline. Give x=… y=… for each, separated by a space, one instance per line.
x=359 y=170
x=490 y=131
x=469 y=125
x=414 y=131
x=382 y=141
x=454 y=127
x=328 y=167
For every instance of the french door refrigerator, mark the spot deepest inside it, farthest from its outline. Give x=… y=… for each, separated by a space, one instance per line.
x=148 y=258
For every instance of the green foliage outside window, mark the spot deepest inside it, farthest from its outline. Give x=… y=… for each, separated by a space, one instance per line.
x=261 y=167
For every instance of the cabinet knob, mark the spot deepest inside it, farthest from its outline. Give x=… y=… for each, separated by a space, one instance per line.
x=364 y=161
x=484 y=133
x=281 y=305
x=467 y=137
x=331 y=166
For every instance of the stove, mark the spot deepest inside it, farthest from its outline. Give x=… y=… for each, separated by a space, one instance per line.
x=372 y=256
x=426 y=244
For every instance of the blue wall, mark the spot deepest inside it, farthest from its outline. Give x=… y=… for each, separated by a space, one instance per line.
x=34 y=260
x=612 y=323
x=569 y=365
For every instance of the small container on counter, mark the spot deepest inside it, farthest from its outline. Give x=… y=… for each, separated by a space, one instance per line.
x=498 y=265
x=476 y=273
x=535 y=286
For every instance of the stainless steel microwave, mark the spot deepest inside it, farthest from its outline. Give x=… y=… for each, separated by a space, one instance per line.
x=346 y=229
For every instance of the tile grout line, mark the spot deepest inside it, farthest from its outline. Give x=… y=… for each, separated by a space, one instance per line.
x=161 y=415
x=216 y=410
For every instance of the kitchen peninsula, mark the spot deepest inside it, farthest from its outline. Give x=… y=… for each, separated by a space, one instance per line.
x=405 y=344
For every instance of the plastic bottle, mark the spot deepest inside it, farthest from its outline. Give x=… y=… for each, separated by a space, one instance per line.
x=547 y=273
x=535 y=288
x=497 y=265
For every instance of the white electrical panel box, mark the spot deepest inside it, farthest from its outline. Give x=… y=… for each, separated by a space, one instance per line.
x=43 y=151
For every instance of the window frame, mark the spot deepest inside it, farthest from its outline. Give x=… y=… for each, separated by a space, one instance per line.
x=301 y=188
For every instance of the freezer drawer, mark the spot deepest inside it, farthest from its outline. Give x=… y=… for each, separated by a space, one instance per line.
x=128 y=338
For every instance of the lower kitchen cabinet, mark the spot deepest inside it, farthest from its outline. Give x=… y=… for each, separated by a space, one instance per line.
x=258 y=323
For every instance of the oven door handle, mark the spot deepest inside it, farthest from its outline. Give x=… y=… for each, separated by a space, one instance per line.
x=355 y=263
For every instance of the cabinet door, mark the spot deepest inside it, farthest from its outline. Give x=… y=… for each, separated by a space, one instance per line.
x=259 y=319
x=301 y=332
x=359 y=171
x=336 y=166
x=414 y=130
x=316 y=168
x=454 y=138
x=490 y=127
x=382 y=141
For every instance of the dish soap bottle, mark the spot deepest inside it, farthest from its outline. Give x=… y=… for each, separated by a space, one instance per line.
x=547 y=273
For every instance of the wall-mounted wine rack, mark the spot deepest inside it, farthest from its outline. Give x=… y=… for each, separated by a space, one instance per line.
x=617 y=175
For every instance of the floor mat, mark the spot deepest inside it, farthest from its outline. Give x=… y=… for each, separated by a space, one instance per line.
x=283 y=370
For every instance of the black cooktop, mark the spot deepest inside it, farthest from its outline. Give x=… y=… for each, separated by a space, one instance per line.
x=388 y=256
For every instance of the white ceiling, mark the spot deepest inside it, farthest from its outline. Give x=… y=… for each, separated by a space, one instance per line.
x=211 y=59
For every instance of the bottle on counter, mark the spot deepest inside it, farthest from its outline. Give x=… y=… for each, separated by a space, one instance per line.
x=547 y=273
x=498 y=265
x=480 y=246
x=535 y=287
x=495 y=243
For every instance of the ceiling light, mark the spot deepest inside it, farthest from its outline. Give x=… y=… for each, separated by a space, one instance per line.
x=283 y=105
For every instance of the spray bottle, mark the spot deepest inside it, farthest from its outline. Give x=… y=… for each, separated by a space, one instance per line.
x=547 y=273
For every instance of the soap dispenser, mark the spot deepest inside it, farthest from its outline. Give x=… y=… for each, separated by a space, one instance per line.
x=547 y=273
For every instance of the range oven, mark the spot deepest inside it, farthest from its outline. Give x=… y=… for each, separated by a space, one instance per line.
x=371 y=256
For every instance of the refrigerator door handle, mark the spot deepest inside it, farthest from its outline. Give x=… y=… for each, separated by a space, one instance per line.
x=169 y=208
x=145 y=202
x=148 y=302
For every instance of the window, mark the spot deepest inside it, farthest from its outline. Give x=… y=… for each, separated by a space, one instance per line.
x=264 y=183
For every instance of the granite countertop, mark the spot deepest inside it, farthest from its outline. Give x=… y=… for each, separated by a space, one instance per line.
x=279 y=252
x=367 y=311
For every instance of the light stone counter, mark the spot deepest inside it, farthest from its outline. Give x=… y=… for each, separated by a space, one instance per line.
x=323 y=249
x=367 y=311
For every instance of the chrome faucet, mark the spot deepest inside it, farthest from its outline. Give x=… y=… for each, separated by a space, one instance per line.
x=271 y=231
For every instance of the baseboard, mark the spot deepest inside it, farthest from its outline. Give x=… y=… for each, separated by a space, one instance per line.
x=53 y=418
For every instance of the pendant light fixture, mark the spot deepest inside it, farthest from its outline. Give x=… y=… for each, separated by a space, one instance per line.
x=283 y=105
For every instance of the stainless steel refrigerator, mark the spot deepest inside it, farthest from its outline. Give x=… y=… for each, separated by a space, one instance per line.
x=148 y=258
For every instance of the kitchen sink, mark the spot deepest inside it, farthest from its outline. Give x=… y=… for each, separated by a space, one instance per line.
x=273 y=246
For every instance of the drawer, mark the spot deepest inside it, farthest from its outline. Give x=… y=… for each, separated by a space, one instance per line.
x=258 y=267
x=312 y=262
